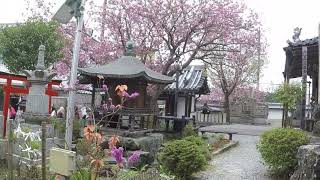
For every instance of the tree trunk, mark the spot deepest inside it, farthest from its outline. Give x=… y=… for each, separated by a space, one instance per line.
x=227 y=108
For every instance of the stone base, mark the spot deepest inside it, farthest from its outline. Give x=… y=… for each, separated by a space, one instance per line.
x=127 y=133
x=34 y=118
x=308 y=163
x=316 y=129
x=150 y=143
x=3 y=148
x=248 y=120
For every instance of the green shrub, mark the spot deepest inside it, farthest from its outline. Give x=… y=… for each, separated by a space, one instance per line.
x=278 y=148
x=83 y=147
x=188 y=131
x=203 y=145
x=35 y=144
x=76 y=129
x=182 y=158
x=82 y=174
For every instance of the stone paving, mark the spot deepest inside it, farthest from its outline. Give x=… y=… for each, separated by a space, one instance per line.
x=242 y=162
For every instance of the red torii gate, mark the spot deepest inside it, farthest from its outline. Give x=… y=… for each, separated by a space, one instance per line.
x=8 y=88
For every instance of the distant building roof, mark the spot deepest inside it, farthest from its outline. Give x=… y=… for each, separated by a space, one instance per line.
x=128 y=67
x=193 y=79
x=306 y=42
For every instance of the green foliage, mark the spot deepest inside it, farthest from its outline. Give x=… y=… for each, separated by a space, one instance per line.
x=19 y=44
x=270 y=97
x=83 y=147
x=288 y=94
x=26 y=129
x=82 y=174
x=76 y=129
x=59 y=124
x=201 y=143
x=127 y=174
x=35 y=145
x=182 y=158
x=188 y=131
x=278 y=148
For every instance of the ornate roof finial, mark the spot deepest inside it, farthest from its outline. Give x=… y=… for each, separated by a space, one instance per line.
x=129 y=48
x=40 y=63
x=296 y=34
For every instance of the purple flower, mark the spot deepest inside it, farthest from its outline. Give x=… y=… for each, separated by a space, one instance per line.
x=105 y=87
x=117 y=154
x=133 y=158
x=134 y=95
x=125 y=94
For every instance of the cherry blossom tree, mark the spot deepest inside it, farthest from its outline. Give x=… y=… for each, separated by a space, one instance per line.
x=237 y=66
x=167 y=32
x=222 y=33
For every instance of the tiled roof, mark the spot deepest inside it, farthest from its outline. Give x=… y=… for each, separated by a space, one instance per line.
x=306 y=42
x=126 y=67
x=193 y=79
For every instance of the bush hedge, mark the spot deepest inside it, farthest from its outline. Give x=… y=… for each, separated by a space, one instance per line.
x=182 y=158
x=203 y=145
x=278 y=148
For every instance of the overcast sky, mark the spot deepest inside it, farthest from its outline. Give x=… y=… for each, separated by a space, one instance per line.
x=279 y=18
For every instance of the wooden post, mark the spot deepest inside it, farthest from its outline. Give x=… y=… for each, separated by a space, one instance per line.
x=93 y=97
x=43 y=149
x=49 y=89
x=194 y=120
x=6 y=91
x=318 y=64
x=304 y=84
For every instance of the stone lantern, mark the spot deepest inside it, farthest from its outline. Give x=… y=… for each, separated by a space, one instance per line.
x=37 y=101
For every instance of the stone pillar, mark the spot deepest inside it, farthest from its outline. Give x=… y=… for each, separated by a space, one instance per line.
x=304 y=85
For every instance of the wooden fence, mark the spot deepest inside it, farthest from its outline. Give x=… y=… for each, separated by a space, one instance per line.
x=215 y=117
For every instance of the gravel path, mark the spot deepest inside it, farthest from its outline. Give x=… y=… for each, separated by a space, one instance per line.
x=239 y=163
x=242 y=162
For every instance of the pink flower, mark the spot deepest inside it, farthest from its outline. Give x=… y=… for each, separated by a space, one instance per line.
x=134 y=95
x=133 y=158
x=117 y=154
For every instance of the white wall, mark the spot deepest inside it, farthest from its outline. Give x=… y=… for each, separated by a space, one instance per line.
x=181 y=106
x=275 y=114
x=192 y=105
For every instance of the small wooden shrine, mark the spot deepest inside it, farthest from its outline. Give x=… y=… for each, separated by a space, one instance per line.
x=127 y=70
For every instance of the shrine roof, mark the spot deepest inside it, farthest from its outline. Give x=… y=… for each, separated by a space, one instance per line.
x=306 y=42
x=127 y=67
x=193 y=79
x=293 y=61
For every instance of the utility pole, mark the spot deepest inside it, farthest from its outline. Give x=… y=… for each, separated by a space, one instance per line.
x=69 y=9
x=73 y=76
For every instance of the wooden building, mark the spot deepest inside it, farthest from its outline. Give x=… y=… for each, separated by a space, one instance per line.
x=192 y=84
x=127 y=70
x=302 y=60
